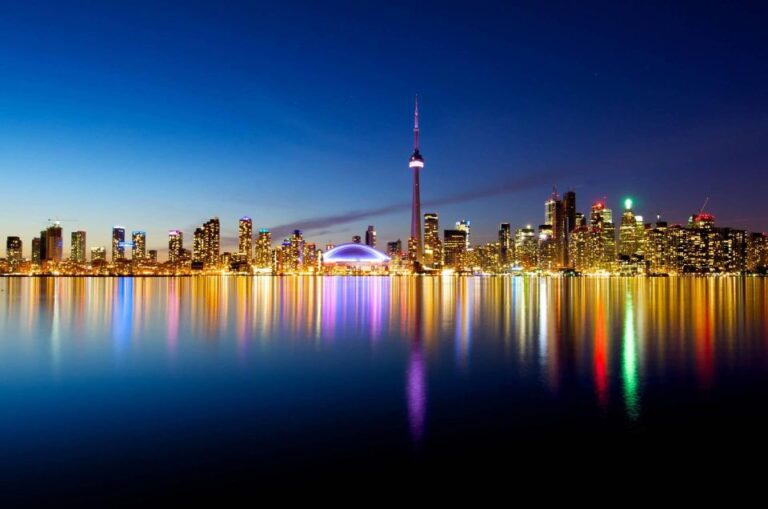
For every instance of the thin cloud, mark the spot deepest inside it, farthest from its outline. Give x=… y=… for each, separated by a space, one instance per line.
x=331 y=221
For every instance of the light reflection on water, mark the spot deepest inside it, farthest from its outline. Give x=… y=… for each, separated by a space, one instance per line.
x=608 y=343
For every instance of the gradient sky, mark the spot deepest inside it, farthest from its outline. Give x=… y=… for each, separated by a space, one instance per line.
x=158 y=115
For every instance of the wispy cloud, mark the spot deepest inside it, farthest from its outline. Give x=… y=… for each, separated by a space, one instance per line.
x=311 y=224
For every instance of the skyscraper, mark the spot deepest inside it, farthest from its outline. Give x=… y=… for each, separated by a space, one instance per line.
x=505 y=243
x=433 y=248
x=263 y=256
x=138 y=245
x=465 y=225
x=245 y=238
x=98 y=254
x=370 y=236
x=416 y=163
x=525 y=247
x=454 y=248
x=54 y=243
x=175 y=246
x=77 y=247
x=13 y=250
x=628 y=231
x=118 y=243
x=36 y=257
x=569 y=217
x=211 y=241
x=198 y=246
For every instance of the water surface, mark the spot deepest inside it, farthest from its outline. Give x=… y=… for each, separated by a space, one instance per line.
x=114 y=382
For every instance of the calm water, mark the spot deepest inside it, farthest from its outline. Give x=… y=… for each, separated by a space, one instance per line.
x=120 y=383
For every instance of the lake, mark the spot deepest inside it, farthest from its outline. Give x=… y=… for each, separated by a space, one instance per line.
x=117 y=385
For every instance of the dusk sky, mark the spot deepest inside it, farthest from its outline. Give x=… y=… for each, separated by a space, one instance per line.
x=159 y=115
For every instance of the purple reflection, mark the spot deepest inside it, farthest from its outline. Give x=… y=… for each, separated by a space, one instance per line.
x=416 y=387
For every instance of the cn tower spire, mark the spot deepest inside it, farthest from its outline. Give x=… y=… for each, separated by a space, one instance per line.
x=416 y=124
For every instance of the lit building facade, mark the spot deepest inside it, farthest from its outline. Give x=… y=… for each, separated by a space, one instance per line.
x=138 y=245
x=455 y=249
x=245 y=238
x=77 y=247
x=175 y=246
x=118 y=243
x=433 y=247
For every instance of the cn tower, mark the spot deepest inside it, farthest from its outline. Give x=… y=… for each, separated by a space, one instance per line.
x=416 y=163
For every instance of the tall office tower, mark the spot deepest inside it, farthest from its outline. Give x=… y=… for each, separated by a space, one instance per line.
x=54 y=243
x=525 y=247
x=118 y=243
x=547 y=248
x=395 y=248
x=433 y=248
x=43 y=246
x=264 y=249
x=198 y=246
x=603 y=238
x=296 y=251
x=138 y=245
x=98 y=254
x=212 y=241
x=454 y=248
x=370 y=236
x=310 y=256
x=658 y=248
x=245 y=238
x=77 y=247
x=579 y=221
x=555 y=217
x=628 y=231
x=465 y=225
x=416 y=163
x=13 y=250
x=569 y=211
x=570 y=223
x=36 y=259
x=505 y=244
x=175 y=246
x=641 y=235
x=356 y=239
x=152 y=256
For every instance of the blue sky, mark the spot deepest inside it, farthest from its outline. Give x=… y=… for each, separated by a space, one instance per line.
x=158 y=115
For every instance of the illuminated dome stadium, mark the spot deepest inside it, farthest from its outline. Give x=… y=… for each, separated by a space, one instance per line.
x=355 y=255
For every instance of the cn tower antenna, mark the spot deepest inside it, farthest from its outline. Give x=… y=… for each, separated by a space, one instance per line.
x=416 y=124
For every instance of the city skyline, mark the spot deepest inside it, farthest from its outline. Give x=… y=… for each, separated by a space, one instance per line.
x=156 y=144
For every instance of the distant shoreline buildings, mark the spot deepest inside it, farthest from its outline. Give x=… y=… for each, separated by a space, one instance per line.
x=568 y=242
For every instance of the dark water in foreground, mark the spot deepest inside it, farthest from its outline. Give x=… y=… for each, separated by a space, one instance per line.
x=123 y=385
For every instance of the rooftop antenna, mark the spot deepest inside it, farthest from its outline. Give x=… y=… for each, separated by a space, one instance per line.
x=701 y=211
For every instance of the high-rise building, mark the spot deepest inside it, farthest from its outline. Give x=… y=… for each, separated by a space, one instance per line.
x=13 y=250
x=152 y=256
x=416 y=163
x=526 y=247
x=370 y=236
x=198 y=246
x=395 y=248
x=627 y=231
x=433 y=248
x=36 y=249
x=505 y=244
x=54 y=243
x=138 y=245
x=43 y=246
x=264 y=249
x=455 y=248
x=571 y=223
x=296 y=251
x=245 y=238
x=118 y=243
x=77 y=247
x=175 y=246
x=211 y=241
x=465 y=225
x=547 y=256
x=98 y=254
x=555 y=217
